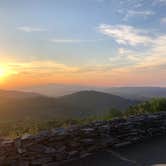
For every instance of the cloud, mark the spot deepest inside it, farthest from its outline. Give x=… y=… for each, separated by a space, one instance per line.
x=154 y=58
x=30 y=29
x=163 y=20
x=40 y=66
x=35 y=72
x=134 y=13
x=63 y=41
x=100 y=1
x=157 y=54
x=126 y=67
x=138 y=5
x=160 y=1
x=128 y=58
x=129 y=54
x=124 y=58
x=125 y=34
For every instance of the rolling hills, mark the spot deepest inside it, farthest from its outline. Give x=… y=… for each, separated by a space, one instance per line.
x=80 y=104
x=138 y=93
x=56 y=90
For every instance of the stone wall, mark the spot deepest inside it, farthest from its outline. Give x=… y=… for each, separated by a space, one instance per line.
x=60 y=145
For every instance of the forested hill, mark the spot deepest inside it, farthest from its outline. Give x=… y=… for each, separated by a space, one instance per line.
x=97 y=101
x=81 y=104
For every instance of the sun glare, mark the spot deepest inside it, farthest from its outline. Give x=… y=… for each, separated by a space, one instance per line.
x=2 y=72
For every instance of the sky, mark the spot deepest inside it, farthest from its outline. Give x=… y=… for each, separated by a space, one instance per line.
x=87 y=42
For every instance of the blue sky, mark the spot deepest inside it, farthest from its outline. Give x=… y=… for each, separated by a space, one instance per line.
x=101 y=36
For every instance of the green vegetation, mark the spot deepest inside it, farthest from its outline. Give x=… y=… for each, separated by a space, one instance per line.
x=152 y=106
x=17 y=128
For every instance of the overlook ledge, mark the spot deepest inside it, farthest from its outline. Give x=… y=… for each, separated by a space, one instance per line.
x=59 y=146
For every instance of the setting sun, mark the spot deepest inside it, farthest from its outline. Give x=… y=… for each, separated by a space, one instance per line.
x=2 y=72
x=5 y=71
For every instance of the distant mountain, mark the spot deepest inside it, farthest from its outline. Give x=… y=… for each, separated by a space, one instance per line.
x=56 y=90
x=16 y=94
x=96 y=102
x=139 y=93
x=80 y=104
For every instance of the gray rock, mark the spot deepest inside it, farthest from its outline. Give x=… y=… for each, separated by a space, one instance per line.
x=7 y=142
x=27 y=136
x=59 y=131
x=88 y=130
x=41 y=161
x=88 y=141
x=59 y=145
x=73 y=154
x=49 y=150
x=61 y=156
x=44 y=133
x=122 y=144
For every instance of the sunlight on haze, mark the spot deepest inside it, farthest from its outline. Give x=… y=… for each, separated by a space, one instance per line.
x=3 y=71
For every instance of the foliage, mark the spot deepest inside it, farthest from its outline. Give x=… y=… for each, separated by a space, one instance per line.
x=154 y=105
x=17 y=128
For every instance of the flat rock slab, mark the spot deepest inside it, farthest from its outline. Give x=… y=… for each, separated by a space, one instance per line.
x=152 y=152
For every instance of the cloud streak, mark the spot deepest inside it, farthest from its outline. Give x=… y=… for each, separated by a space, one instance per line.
x=40 y=66
x=163 y=20
x=133 y=13
x=63 y=41
x=30 y=29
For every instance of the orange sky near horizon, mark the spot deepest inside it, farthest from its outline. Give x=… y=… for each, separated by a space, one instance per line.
x=19 y=74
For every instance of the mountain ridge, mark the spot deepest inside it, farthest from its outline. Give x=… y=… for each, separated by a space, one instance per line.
x=81 y=104
x=133 y=92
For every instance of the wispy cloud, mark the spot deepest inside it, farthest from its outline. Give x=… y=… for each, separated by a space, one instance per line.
x=40 y=67
x=163 y=20
x=100 y=0
x=30 y=29
x=124 y=58
x=160 y=1
x=33 y=72
x=144 y=60
x=63 y=41
x=130 y=59
x=125 y=34
x=138 y=5
x=134 y=13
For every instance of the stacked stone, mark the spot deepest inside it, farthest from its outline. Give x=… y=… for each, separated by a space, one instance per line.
x=61 y=145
